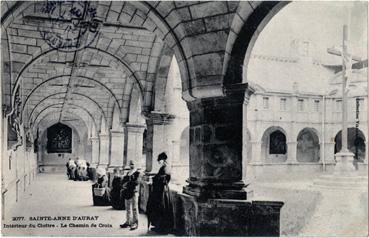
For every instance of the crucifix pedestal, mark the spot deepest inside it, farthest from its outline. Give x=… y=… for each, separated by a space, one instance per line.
x=344 y=158
x=345 y=163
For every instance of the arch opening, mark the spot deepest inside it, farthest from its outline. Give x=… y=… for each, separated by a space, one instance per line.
x=308 y=148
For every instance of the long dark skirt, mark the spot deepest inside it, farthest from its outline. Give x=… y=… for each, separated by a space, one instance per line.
x=101 y=200
x=160 y=210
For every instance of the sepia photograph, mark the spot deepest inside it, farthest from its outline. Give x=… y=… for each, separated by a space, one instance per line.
x=184 y=118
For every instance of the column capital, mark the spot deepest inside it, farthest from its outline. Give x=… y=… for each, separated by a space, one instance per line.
x=233 y=95
x=116 y=132
x=248 y=92
x=238 y=88
x=137 y=128
x=103 y=136
x=159 y=118
x=94 y=138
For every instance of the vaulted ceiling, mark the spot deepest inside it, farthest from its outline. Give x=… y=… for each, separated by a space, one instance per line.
x=83 y=61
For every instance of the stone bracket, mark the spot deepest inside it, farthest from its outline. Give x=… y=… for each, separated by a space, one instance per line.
x=160 y=118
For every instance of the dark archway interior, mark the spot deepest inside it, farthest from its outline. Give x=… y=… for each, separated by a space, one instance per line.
x=356 y=143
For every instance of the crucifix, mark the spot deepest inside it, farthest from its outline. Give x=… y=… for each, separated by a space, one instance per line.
x=347 y=58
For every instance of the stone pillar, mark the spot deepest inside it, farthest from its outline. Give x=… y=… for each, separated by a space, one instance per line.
x=291 y=152
x=245 y=141
x=104 y=150
x=256 y=163
x=366 y=152
x=156 y=122
x=135 y=143
x=256 y=153
x=216 y=147
x=329 y=152
x=117 y=148
x=214 y=203
x=95 y=150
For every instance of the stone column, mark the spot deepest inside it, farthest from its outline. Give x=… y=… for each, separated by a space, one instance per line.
x=156 y=122
x=216 y=146
x=117 y=148
x=104 y=150
x=135 y=143
x=366 y=152
x=214 y=203
x=291 y=152
x=329 y=152
x=95 y=150
x=256 y=153
x=249 y=91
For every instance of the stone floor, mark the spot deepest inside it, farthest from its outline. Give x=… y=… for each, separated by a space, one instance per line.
x=54 y=195
x=335 y=213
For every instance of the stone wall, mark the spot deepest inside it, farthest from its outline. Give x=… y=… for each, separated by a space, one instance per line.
x=193 y=217
x=18 y=171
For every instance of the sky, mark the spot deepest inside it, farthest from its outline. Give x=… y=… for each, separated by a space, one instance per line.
x=318 y=22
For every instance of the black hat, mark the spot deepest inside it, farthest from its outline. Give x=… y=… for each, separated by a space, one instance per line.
x=162 y=156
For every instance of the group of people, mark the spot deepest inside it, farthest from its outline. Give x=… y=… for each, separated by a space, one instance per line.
x=124 y=194
x=79 y=169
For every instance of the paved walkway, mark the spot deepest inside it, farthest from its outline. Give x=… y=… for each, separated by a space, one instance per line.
x=54 y=195
x=339 y=213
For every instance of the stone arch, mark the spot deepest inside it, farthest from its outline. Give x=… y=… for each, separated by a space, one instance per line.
x=185 y=146
x=61 y=76
x=56 y=162
x=6 y=81
x=93 y=107
x=133 y=75
x=248 y=140
x=80 y=96
x=103 y=126
x=116 y=123
x=274 y=145
x=250 y=19
x=156 y=93
x=51 y=115
x=356 y=143
x=308 y=147
x=135 y=106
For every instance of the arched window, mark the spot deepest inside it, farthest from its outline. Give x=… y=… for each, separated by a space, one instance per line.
x=308 y=148
x=277 y=143
x=59 y=139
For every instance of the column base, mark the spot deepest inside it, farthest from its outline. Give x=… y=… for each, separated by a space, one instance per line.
x=226 y=217
x=216 y=189
x=345 y=163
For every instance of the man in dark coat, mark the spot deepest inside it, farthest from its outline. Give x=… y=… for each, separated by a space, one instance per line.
x=160 y=206
x=130 y=193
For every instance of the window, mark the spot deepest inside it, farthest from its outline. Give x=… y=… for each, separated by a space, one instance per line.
x=277 y=143
x=59 y=139
x=338 y=105
x=316 y=105
x=265 y=102
x=300 y=105
x=283 y=105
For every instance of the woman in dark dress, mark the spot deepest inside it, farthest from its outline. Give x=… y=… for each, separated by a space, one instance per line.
x=159 y=205
x=102 y=183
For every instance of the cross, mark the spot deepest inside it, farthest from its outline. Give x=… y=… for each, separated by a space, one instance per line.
x=346 y=71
